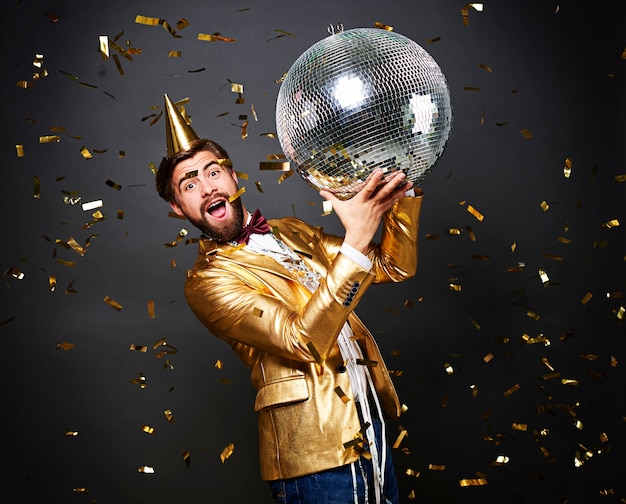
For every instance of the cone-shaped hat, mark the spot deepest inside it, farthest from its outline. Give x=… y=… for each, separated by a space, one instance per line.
x=179 y=134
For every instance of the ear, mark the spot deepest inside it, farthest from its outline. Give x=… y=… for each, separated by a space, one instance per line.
x=176 y=208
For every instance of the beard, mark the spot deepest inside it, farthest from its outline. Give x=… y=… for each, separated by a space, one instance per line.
x=224 y=231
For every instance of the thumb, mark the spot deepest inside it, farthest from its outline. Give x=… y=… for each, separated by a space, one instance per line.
x=327 y=195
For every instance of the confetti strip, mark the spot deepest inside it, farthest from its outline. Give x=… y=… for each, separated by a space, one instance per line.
x=186 y=457
x=112 y=303
x=227 y=452
x=467 y=482
x=342 y=394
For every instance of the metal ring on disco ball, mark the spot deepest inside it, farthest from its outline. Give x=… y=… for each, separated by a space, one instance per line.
x=361 y=99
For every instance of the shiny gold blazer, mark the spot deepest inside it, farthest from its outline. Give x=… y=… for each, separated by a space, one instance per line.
x=286 y=335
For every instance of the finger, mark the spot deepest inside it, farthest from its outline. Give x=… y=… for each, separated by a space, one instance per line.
x=372 y=183
x=392 y=183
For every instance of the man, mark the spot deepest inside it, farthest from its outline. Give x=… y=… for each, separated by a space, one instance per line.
x=282 y=293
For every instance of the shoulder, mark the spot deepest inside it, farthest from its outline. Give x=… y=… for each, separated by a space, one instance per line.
x=292 y=226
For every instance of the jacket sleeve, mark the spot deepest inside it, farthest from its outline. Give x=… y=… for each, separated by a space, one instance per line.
x=251 y=307
x=394 y=258
x=238 y=305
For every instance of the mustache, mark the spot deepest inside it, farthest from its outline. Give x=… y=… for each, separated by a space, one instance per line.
x=218 y=196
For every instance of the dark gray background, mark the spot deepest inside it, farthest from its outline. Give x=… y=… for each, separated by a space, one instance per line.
x=557 y=71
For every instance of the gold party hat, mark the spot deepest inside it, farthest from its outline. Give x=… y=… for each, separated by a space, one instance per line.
x=178 y=132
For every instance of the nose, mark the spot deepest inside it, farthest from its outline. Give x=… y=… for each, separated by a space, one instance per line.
x=207 y=188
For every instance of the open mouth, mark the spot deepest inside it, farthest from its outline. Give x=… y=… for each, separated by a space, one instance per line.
x=217 y=209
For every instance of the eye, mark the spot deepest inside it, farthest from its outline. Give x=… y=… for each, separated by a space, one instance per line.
x=189 y=186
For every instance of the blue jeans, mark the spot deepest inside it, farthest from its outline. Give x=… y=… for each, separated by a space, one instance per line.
x=335 y=486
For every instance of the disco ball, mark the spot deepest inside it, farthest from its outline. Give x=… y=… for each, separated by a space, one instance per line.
x=360 y=99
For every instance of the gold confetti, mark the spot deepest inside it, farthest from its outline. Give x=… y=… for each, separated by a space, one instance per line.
x=367 y=362
x=547 y=363
x=467 y=482
x=148 y=430
x=236 y=88
x=544 y=277
x=519 y=427
x=151 y=309
x=327 y=207
x=149 y=21
x=285 y=176
x=544 y=205
x=342 y=394
x=552 y=256
x=435 y=467
x=620 y=178
x=64 y=346
x=186 y=457
x=112 y=303
x=403 y=433
x=19 y=149
x=526 y=134
x=455 y=287
x=282 y=33
x=488 y=358
x=432 y=40
x=257 y=312
x=37 y=187
x=236 y=195
x=412 y=472
x=471 y=88
x=146 y=469
x=214 y=37
x=15 y=273
x=532 y=315
x=140 y=380
x=567 y=168
x=315 y=354
x=465 y=11
x=586 y=298
x=182 y=23
x=227 y=452
x=611 y=224
x=81 y=490
x=103 y=41
x=114 y=185
x=49 y=139
x=570 y=381
x=485 y=67
x=382 y=26
x=169 y=416
x=259 y=187
x=514 y=388
x=284 y=166
x=91 y=205
x=475 y=213
x=449 y=369
x=138 y=348
x=174 y=54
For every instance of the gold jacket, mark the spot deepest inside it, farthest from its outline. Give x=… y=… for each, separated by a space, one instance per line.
x=286 y=335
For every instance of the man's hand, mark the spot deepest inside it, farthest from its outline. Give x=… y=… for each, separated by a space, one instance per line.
x=361 y=214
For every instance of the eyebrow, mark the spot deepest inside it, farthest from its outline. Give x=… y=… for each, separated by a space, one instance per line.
x=194 y=173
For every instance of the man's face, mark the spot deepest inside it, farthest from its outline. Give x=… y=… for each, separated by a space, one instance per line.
x=202 y=188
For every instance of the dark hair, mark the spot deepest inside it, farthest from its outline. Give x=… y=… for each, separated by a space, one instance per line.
x=166 y=168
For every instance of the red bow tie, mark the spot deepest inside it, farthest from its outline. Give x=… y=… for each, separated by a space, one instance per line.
x=258 y=224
